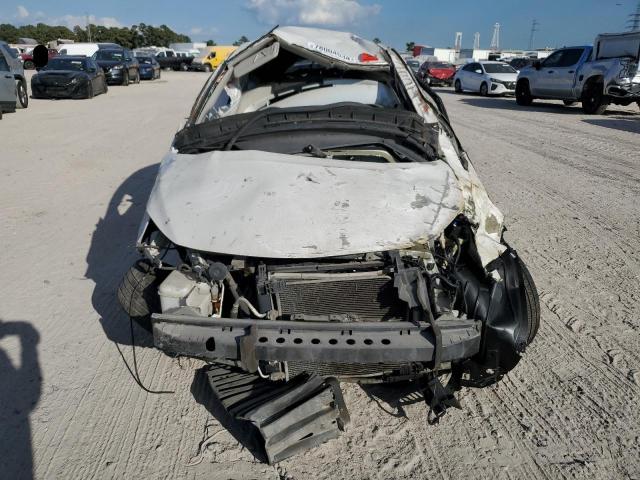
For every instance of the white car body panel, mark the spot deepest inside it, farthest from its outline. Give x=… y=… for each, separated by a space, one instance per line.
x=259 y=204
x=368 y=92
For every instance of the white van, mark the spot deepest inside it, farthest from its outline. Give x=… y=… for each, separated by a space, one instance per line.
x=86 y=49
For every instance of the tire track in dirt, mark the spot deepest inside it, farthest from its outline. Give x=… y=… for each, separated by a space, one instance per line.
x=550 y=265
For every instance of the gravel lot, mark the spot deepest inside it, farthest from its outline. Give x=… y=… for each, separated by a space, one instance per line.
x=74 y=179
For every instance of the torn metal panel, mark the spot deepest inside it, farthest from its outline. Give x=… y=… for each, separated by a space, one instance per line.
x=337 y=47
x=262 y=204
x=477 y=206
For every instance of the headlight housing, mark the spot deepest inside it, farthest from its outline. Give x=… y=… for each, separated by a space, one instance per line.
x=74 y=80
x=495 y=80
x=117 y=67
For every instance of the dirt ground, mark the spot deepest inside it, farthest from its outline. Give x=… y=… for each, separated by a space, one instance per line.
x=74 y=177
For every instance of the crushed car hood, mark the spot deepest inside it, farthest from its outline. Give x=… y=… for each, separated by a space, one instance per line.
x=259 y=204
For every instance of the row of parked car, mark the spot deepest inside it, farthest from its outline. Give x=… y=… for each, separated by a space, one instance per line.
x=597 y=76
x=72 y=76
x=484 y=77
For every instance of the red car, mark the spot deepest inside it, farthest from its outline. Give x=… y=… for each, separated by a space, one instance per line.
x=436 y=73
x=27 y=58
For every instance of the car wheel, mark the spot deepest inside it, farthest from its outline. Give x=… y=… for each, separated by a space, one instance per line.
x=137 y=79
x=159 y=74
x=594 y=101
x=90 y=90
x=21 y=94
x=0 y=113
x=184 y=67
x=105 y=87
x=207 y=68
x=138 y=292
x=523 y=94
x=484 y=90
x=532 y=302
x=568 y=103
x=125 y=79
x=457 y=86
x=29 y=65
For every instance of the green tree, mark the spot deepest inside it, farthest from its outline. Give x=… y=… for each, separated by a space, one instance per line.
x=377 y=40
x=8 y=33
x=211 y=43
x=240 y=41
x=136 y=36
x=410 y=46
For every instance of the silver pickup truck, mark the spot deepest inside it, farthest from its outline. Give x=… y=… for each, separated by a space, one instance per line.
x=596 y=76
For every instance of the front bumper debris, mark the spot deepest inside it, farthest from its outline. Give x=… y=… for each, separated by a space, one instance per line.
x=250 y=340
x=630 y=91
x=293 y=416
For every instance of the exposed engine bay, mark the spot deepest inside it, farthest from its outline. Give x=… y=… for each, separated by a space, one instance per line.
x=357 y=309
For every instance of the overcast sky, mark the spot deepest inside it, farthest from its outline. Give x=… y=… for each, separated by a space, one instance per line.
x=427 y=22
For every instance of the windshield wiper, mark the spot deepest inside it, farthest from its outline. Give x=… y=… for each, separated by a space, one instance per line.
x=362 y=122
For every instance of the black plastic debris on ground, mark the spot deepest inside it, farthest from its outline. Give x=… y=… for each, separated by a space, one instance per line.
x=291 y=416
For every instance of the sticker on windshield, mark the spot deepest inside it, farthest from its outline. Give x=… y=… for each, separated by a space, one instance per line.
x=330 y=52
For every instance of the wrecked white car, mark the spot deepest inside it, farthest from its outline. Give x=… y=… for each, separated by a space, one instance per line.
x=317 y=221
x=597 y=76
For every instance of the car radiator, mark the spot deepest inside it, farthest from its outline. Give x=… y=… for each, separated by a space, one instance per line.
x=345 y=370
x=359 y=296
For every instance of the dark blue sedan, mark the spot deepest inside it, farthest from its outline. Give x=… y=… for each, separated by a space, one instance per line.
x=149 y=68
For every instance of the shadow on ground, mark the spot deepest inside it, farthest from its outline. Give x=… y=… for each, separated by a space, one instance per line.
x=112 y=252
x=244 y=432
x=393 y=398
x=20 y=386
x=617 y=123
x=505 y=103
x=509 y=103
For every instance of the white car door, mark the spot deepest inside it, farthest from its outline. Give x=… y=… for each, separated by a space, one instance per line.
x=544 y=77
x=562 y=77
x=467 y=75
x=7 y=85
x=476 y=75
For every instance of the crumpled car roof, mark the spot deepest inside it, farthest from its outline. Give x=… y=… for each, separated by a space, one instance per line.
x=341 y=46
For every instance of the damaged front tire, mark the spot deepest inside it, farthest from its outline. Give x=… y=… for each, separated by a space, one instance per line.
x=138 y=292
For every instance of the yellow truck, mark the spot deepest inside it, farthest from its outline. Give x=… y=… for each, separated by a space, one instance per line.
x=213 y=57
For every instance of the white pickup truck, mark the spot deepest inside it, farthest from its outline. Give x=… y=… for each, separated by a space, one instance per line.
x=596 y=76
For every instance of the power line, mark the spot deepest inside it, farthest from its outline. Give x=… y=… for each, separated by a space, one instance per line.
x=534 y=28
x=88 y=27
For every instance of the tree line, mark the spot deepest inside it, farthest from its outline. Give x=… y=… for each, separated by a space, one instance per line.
x=141 y=35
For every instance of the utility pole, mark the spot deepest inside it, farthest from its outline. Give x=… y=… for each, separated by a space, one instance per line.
x=476 y=41
x=534 y=28
x=458 y=42
x=88 y=27
x=495 y=39
x=634 y=19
